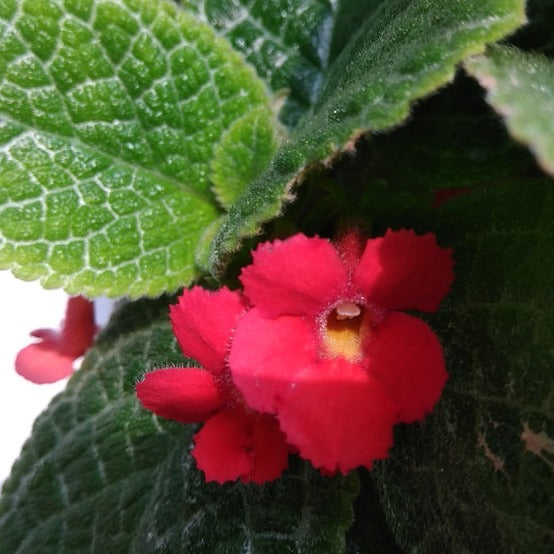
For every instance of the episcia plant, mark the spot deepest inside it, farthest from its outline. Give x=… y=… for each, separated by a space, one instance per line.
x=329 y=225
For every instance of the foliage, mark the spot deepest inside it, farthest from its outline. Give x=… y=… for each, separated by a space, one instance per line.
x=145 y=143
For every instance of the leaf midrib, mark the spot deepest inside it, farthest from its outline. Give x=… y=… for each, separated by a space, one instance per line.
x=115 y=160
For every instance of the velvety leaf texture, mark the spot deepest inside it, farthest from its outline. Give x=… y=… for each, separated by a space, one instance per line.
x=403 y=51
x=301 y=512
x=291 y=43
x=520 y=87
x=111 y=112
x=242 y=155
x=478 y=476
x=101 y=474
x=537 y=33
x=84 y=476
x=453 y=141
x=285 y=40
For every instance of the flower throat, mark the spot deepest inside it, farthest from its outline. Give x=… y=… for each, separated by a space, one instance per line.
x=342 y=331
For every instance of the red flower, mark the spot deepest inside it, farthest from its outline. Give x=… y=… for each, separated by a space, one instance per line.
x=52 y=359
x=324 y=349
x=235 y=441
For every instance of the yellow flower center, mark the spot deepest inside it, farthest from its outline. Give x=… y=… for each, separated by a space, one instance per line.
x=343 y=330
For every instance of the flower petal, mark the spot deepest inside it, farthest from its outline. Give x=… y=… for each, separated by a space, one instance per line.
x=297 y=276
x=187 y=395
x=338 y=416
x=78 y=327
x=266 y=354
x=270 y=452
x=43 y=363
x=203 y=322
x=406 y=356
x=403 y=271
x=237 y=445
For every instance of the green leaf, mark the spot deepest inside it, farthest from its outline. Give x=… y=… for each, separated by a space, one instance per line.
x=537 y=33
x=520 y=86
x=284 y=40
x=243 y=153
x=301 y=512
x=453 y=140
x=101 y=474
x=112 y=111
x=477 y=476
x=403 y=51
x=84 y=476
x=291 y=43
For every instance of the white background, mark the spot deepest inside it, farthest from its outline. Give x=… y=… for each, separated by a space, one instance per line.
x=23 y=307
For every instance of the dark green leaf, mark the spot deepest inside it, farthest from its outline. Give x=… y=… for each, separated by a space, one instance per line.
x=84 y=476
x=537 y=33
x=520 y=87
x=478 y=475
x=302 y=512
x=101 y=474
x=285 y=40
x=243 y=153
x=112 y=111
x=403 y=51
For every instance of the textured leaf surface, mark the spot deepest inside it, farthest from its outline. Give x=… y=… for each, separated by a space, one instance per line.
x=285 y=40
x=291 y=43
x=301 y=512
x=111 y=113
x=84 y=476
x=242 y=155
x=520 y=87
x=478 y=476
x=403 y=51
x=100 y=474
x=537 y=33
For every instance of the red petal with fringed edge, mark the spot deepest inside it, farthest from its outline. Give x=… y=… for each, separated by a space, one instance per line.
x=406 y=357
x=187 y=395
x=297 y=276
x=404 y=271
x=237 y=445
x=267 y=354
x=203 y=322
x=338 y=416
x=42 y=363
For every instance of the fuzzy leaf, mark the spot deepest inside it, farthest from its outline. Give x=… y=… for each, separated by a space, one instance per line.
x=112 y=111
x=520 y=87
x=101 y=474
x=243 y=153
x=477 y=476
x=301 y=512
x=537 y=33
x=403 y=51
x=84 y=476
x=285 y=40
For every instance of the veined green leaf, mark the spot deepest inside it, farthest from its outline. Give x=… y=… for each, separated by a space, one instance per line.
x=102 y=474
x=84 y=476
x=243 y=153
x=520 y=87
x=300 y=512
x=291 y=43
x=478 y=475
x=111 y=113
x=403 y=51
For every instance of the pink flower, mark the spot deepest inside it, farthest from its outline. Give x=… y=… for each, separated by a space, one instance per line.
x=235 y=441
x=52 y=358
x=324 y=349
